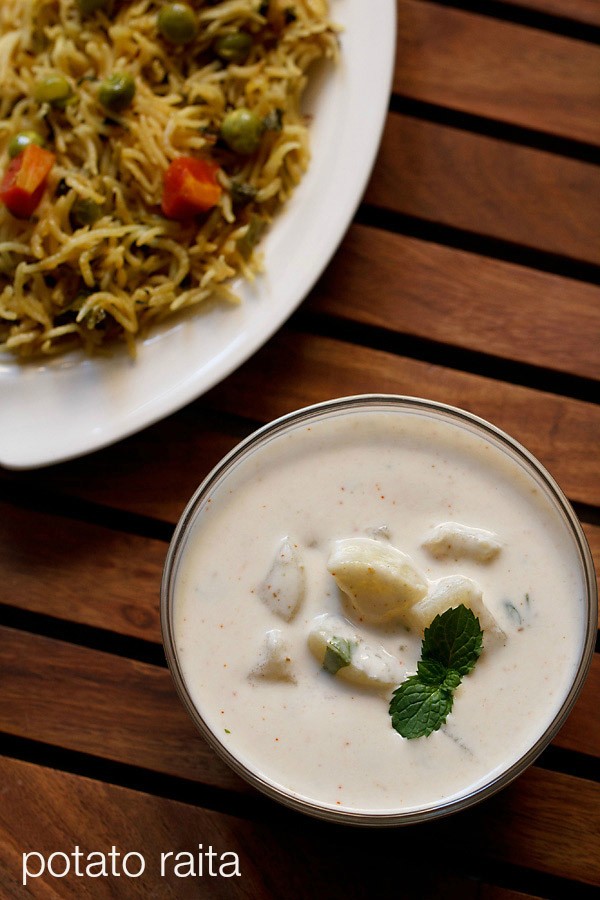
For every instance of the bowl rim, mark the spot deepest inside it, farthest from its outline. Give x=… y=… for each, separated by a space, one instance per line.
x=339 y=406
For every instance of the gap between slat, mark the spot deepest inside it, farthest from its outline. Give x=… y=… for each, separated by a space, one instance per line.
x=493 y=128
x=522 y=14
x=457 y=238
x=449 y=356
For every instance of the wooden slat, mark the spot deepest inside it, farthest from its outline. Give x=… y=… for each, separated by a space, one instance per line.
x=488 y=187
x=499 y=70
x=287 y=858
x=519 y=819
x=295 y=370
x=581 y=731
x=127 y=711
x=586 y=11
x=425 y=289
x=81 y=573
x=124 y=711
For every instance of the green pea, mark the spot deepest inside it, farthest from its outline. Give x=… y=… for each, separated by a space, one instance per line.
x=87 y=7
x=53 y=89
x=242 y=130
x=21 y=140
x=84 y=212
x=177 y=23
x=116 y=93
x=233 y=47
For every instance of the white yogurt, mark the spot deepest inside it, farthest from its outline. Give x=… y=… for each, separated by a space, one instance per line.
x=396 y=473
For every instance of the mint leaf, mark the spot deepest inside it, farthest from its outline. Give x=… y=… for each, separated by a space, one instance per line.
x=338 y=653
x=417 y=709
x=451 y=647
x=430 y=671
x=454 y=639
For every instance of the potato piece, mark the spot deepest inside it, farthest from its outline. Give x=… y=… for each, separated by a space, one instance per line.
x=379 y=580
x=451 y=592
x=451 y=539
x=338 y=647
x=283 y=588
x=274 y=661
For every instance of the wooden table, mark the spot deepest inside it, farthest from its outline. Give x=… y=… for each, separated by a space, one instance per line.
x=469 y=275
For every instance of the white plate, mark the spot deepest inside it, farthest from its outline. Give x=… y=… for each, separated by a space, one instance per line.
x=66 y=407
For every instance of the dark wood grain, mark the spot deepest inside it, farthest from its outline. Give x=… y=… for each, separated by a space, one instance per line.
x=581 y=731
x=564 y=806
x=45 y=810
x=484 y=149
x=499 y=70
x=35 y=800
x=430 y=291
x=488 y=187
x=80 y=573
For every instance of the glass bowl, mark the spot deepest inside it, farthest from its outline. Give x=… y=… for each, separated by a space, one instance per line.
x=383 y=468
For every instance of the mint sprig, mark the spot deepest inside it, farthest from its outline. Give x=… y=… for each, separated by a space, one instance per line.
x=451 y=646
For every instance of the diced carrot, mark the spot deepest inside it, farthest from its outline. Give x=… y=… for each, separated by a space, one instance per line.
x=190 y=187
x=24 y=181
